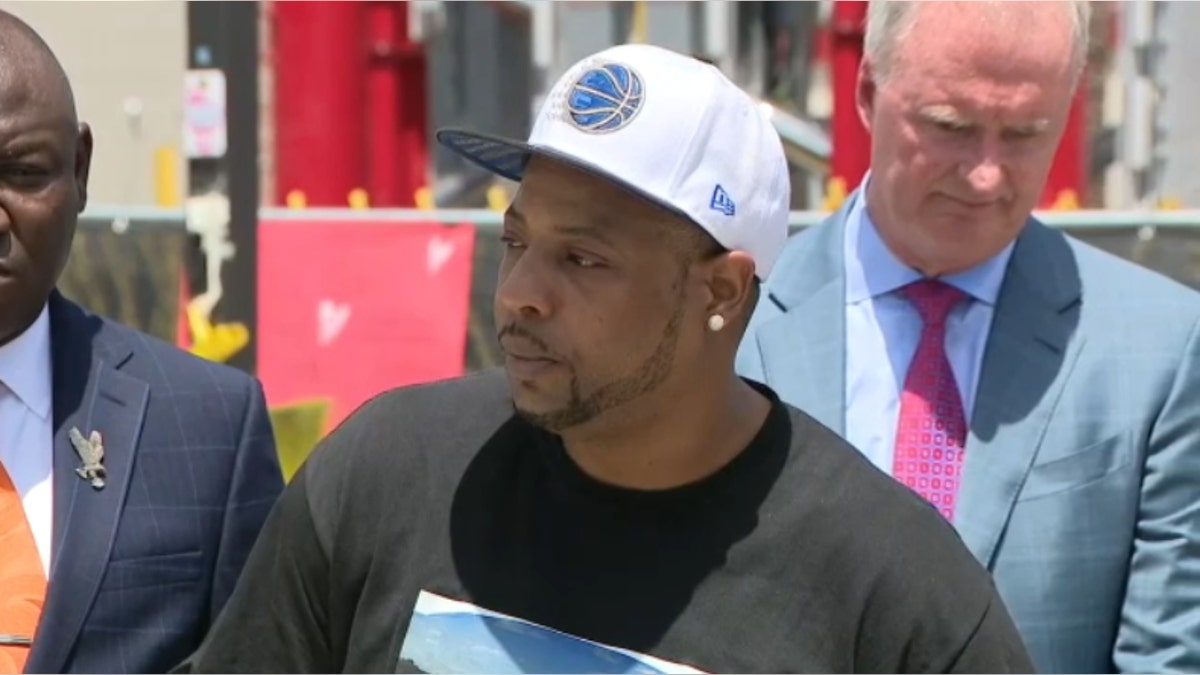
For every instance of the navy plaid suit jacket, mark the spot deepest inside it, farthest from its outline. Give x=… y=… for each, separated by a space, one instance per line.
x=140 y=568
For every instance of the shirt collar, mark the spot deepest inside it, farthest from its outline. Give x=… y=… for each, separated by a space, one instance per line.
x=873 y=270
x=25 y=365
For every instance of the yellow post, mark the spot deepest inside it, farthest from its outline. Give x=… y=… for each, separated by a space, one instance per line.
x=835 y=193
x=166 y=176
x=1066 y=200
x=297 y=200
x=424 y=199
x=639 y=27
x=358 y=199
x=497 y=198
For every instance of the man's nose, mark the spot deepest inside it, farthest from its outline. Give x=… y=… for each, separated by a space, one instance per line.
x=985 y=171
x=525 y=289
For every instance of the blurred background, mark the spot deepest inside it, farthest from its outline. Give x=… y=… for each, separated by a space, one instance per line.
x=266 y=190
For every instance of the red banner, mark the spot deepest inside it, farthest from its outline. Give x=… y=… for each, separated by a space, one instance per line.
x=347 y=310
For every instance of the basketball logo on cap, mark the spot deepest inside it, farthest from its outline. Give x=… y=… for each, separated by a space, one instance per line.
x=605 y=98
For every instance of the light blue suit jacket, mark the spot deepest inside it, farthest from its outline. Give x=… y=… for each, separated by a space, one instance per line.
x=1081 y=486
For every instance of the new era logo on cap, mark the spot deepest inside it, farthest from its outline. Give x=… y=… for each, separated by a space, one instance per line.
x=722 y=202
x=670 y=128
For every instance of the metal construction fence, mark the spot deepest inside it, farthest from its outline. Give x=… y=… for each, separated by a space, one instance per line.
x=126 y=262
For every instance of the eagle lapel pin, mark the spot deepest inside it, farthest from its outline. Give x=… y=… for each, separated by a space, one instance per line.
x=91 y=453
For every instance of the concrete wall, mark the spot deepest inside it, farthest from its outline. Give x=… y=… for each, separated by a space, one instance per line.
x=1179 y=90
x=126 y=62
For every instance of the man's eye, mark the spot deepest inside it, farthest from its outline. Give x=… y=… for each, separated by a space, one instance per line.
x=583 y=261
x=25 y=176
x=22 y=170
x=952 y=127
x=1020 y=134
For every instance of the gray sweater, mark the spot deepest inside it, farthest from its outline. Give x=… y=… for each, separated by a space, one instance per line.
x=435 y=531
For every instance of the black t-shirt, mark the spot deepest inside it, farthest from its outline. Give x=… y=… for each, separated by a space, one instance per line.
x=434 y=531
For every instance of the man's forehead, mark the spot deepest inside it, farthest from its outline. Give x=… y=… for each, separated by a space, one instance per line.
x=993 y=78
x=22 y=94
x=32 y=115
x=31 y=78
x=584 y=199
x=559 y=214
x=18 y=83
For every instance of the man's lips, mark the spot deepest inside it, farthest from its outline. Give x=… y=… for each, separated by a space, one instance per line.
x=526 y=354
x=972 y=204
x=524 y=368
x=524 y=349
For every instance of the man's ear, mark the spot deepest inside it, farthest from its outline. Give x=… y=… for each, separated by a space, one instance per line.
x=864 y=93
x=731 y=285
x=83 y=164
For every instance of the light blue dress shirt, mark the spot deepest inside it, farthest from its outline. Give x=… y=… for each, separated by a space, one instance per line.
x=883 y=328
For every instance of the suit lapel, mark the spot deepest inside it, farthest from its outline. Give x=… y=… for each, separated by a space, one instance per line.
x=90 y=394
x=805 y=356
x=1029 y=354
x=804 y=349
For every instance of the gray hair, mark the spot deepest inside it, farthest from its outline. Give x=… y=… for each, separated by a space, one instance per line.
x=889 y=20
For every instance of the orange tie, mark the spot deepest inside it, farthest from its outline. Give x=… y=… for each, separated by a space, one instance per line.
x=22 y=581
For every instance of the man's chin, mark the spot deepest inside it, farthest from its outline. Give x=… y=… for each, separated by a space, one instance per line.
x=553 y=418
x=543 y=419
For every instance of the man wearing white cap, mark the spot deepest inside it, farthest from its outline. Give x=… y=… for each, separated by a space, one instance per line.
x=616 y=499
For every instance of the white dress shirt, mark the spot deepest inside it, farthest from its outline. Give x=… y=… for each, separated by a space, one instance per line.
x=27 y=427
x=883 y=329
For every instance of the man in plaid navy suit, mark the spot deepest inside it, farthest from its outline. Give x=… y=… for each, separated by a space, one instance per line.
x=144 y=473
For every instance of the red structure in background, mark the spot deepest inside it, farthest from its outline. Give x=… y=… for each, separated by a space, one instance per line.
x=1069 y=174
x=350 y=102
x=852 y=143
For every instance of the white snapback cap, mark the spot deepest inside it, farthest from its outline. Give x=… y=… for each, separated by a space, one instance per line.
x=668 y=127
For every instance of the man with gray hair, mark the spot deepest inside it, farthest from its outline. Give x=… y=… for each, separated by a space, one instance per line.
x=1040 y=393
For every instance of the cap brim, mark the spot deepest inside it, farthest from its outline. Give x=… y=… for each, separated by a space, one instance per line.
x=502 y=156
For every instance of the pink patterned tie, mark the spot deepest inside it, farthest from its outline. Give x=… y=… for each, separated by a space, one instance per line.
x=932 y=429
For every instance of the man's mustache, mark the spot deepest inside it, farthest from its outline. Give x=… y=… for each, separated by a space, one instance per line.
x=516 y=331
